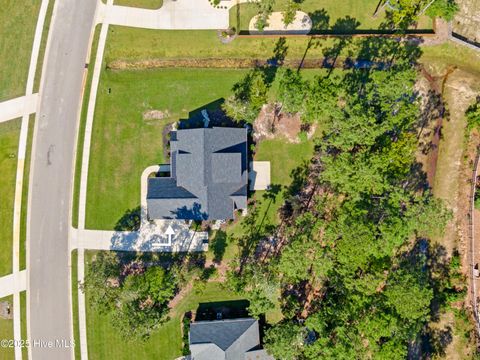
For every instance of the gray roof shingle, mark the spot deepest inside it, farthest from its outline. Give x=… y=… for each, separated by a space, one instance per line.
x=208 y=165
x=233 y=337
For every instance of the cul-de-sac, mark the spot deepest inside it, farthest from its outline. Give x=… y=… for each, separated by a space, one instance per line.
x=239 y=179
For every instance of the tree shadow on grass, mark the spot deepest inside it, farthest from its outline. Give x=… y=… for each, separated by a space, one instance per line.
x=232 y=309
x=218 y=245
x=130 y=221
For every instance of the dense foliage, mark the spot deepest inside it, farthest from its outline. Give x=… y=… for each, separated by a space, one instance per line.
x=473 y=115
x=351 y=264
x=133 y=296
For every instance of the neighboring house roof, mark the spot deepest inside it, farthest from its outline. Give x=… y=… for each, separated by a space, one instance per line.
x=224 y=339
x=209 y=176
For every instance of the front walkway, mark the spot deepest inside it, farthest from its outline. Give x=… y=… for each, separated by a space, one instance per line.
x=15 y=108
x=13 y=283
x=173 y=15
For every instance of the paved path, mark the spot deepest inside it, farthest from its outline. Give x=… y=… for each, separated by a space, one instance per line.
x=15 y=108
x=49 y=302
x=13 y=283
x=174 y=14
x=26 y=105
x=82 y=317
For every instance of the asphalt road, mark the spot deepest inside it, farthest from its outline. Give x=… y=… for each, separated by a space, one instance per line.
x=51 y=179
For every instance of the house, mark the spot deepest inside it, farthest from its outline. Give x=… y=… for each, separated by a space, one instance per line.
x=208 y=176
x=234 y=339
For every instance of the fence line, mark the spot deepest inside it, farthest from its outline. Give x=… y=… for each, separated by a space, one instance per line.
x=472 y=244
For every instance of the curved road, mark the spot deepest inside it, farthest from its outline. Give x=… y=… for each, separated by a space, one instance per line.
x=52 y=177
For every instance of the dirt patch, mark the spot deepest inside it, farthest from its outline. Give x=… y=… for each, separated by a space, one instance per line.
x=156 y=114
x=6 y=310
x=301 y=24
x=273 y=123
x=452 y=180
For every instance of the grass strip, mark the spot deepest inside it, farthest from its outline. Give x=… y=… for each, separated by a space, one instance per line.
x=81 y=131
x=43 y=45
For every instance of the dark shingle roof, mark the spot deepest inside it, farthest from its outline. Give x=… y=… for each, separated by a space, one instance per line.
x=208 y=165
x=233 y=337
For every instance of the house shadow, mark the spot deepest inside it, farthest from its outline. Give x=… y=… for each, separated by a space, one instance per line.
x=215 y=114
x=190 y=213
x=231 y=309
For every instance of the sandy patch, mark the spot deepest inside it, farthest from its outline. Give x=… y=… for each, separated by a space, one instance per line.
x=272 y=123
x=156 y=114
x=302 y=24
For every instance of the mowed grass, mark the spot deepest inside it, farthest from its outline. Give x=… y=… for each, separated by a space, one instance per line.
x=132 y=44
x=146 y=4
x=343 y=16
x=124 y=144
x=6 y=332
x=18 y=19
x=451 y=54
x=23 y=321
x=320 y=11
x=104 y=341
x=9 y=134
x=76 y=329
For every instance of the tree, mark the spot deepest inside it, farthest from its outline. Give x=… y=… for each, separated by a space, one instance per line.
x=473 y=116
x=445 y=9
x=249 y=95
x=265 y=8
x=285 y=340
x=158 y=284
x=101 y=284
x=292 y=91
x=322 y=100
x=288 y=16
x=409 y=295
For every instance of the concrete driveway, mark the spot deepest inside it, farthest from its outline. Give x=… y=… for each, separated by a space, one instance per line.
x=173 y=15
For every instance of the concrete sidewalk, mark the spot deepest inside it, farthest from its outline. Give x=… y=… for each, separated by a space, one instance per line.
x=18 y=107
x=173 y=15
x=13 y=283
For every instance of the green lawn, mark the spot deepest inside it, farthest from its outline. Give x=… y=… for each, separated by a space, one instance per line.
x=9 y=134
x=43 y=45
x=23 y=321
x=18 y=19
x=76 y=329
x=81 y=133
x=26 y=176
x=124 y=144
x=6 y=332
x=451 y=54
x=131 y=44
x=320 y=11
x=166 y=343
x=325 y=14
x=147 y=4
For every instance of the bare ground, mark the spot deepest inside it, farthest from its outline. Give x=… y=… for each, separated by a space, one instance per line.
x=452 y=184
